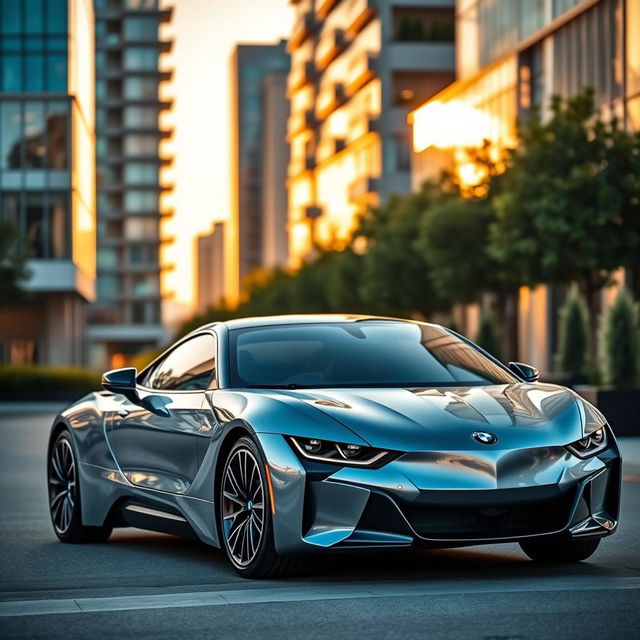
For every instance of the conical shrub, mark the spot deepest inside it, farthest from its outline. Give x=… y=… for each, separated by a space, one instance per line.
x=571 y=357
x=619 y=343
x=487 y=336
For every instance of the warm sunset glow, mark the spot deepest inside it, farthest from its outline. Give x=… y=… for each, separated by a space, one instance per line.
x=448 y=125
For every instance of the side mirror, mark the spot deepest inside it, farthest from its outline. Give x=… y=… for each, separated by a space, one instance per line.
x=524 y=371
x=122 y=381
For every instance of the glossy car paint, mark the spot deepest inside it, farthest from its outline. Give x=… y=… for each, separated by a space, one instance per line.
x=166 y=457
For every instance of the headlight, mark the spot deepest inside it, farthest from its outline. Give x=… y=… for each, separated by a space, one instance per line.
x=589 y=445
x=337 y=452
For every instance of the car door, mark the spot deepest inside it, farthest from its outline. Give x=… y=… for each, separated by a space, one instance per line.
x=157 y=440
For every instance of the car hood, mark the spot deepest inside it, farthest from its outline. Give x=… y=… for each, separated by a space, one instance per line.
x=520 y=415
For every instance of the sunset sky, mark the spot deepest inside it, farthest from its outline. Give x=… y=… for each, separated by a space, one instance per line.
x=204 y=33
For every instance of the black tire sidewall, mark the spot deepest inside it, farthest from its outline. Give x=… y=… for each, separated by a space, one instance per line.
x=266 y=541
x=75 y=527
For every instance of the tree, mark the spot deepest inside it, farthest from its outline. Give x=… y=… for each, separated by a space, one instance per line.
x=619 y=342
x=570 y=201
x=13 y=265
x=572 y=348
x=487 y=337
x=396 y=279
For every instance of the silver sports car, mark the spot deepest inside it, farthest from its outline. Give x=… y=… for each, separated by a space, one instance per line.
x=278 y=437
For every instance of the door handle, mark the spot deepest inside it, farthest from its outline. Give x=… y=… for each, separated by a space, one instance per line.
x=123 y=413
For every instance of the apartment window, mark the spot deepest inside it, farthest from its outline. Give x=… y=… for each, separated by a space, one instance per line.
x=141 y=117
x=141 y=59
x=141 y=145
x=424 y=25
x=141 y=173
x=33 y=134
x=140 y=228
x=142 y=254
x=140 y=200
x=142 y=4
x=141 y=28
x=107 y=257
x=108 y=286
x=43 y=218
x=136 y=88
x=144 y=285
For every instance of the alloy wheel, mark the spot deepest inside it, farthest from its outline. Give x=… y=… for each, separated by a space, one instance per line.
x=243 y=506
x=62 y=485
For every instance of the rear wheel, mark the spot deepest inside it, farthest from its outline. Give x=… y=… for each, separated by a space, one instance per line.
x=64 y=495
x=560 y=551
x=245 y=515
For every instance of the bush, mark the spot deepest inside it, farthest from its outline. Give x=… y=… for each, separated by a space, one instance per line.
x=33 y=378
x=487 y=336
x=571 y=357
x=619 y=343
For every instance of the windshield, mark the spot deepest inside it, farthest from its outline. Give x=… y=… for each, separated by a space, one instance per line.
x=371 y=353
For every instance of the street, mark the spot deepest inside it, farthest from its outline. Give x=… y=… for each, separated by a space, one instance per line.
x=147 y=585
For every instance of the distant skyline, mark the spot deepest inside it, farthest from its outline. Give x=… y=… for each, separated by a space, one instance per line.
x=205 y=33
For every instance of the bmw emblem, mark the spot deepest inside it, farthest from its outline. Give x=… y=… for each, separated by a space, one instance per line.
x=484 y=438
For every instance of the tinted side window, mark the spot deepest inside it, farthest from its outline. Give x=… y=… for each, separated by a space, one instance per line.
x=187 y=368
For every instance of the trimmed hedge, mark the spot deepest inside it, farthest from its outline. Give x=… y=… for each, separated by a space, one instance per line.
x=29 y=378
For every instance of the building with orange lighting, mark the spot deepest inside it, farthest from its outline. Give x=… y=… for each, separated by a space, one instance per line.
x=357 y=68
x=513 y=56
x=209 y=252
x=47 y=174
x=250 y=66
x=126 y=317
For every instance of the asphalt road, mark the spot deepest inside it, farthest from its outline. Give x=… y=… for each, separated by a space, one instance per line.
x=146 y=585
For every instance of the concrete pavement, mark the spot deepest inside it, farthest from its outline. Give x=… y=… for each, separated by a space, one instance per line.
x=151 y=585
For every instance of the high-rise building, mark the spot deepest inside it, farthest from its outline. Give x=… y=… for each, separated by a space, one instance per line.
x=126 y=317
x=513 y=56
x=47 y=173
x=250 y=63
x=210 y=268
x=275 y=161
x=357 y=67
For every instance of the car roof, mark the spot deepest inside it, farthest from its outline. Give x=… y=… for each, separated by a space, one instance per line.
x=303 y=318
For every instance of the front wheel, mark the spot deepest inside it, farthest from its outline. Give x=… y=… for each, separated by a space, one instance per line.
x=64 y=495
x=246 y=515
x=560 y=551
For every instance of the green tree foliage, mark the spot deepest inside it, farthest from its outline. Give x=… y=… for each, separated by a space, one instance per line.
x=487 y=336
x=396 y=278
x=571 y=357
x=619 y=343
x=13 y=265
x=570 y=200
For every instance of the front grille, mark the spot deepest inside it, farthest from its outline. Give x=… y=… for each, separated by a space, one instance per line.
x=508 y=520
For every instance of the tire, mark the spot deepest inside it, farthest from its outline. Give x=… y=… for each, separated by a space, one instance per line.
x=64 y=495
x=559 y=551
x=245 y=502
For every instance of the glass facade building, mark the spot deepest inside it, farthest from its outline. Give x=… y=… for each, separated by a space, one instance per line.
x=126 y=317
x=47 y=172
x=513 y=56
x=357 y=68
x=250 y=64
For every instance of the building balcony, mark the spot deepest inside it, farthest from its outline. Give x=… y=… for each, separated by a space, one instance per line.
x=302 y=29
x=324 y=7
x=301 y=122
x=118 y=72
x=361 y=12
x=301 y=76
x=364 y=190
x=118 y=102
x=330 y=45
x=422 y=56
x=118 y=12
x=329 y=100
x=362 y=71
x=114 y=42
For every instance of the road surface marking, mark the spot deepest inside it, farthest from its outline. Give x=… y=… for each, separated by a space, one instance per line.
x=298 y=593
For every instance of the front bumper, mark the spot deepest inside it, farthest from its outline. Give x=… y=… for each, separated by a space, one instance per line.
x=442 y=499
